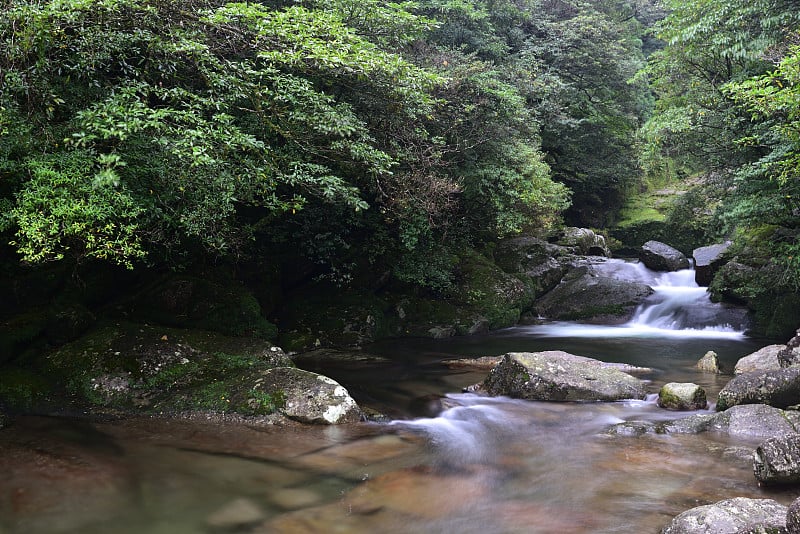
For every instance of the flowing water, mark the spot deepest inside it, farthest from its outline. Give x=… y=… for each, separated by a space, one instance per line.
x=483 y=465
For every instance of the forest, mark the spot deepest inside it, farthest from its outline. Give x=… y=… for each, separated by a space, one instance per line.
x=368 y=144
x=459 y=230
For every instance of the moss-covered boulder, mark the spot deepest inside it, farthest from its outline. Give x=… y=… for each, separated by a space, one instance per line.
x=301 y=395
x=756 y=277
x=585 y=295
x=133 y=367
x=215 y=303
x=582 y=241
x=560 y=376
x=777 y=387
x=540 y=264
x=682 y=396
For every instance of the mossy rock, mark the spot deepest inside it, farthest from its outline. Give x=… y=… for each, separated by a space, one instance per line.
x=323 y=314
x=219 y=305
x=19 y=331
x=486 y=289
x=145 y=368
x=22 y=389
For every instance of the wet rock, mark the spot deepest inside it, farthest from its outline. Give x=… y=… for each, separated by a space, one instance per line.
x=236 y=515
x=682 y=396
x=662 y=257
x=745 y=421
x=694 y=424
x=585 y=295
x=753 y=421
x=318 y=356
x=707 y=261
x=793 y=517
x=484 y=363
x=295 y=498
x=583 y=241
x=560 y=376
x=790 y=354
x=730 y=516
x=764 y=359
x=304 y=396
x=632 y=429
x=777 y=387
x=709 y=363
x=777 y=460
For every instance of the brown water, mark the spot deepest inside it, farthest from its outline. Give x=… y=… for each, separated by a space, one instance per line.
x=482 y=466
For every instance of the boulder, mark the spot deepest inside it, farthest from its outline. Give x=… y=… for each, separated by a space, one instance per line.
x=764 y=359
x=707 y=261
x=777 y=387
x=583 y=241
x=584 y=294
x=730 y=516
x=750 y=421
x=777 y=460
x=709 y=363
x=793 y=517
x=305 y=396
x=662 y=257
x=682 y=396
x=753 y=421
x=560 y=376
x=790 y=354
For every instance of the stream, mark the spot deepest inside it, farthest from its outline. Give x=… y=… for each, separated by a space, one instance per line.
x=483 y=465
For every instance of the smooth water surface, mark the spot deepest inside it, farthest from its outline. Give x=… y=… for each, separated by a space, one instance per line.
x=483 y=465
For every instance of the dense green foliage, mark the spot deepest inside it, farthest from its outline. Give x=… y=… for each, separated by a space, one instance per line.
x=727 y=116
x=349 y=132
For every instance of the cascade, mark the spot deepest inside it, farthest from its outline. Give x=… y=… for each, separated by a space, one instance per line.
x=678 y=307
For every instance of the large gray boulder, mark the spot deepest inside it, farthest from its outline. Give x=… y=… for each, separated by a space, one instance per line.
x=790 y=354
x=793 y=517
x=682 y=396
x=777 y=387
x=543 y=263
x=584 y=294
x=730 y=516
x=763 y=359
x=307 y=397
x=777 y=460
x=583 y=241
x=707 y=261
x=748 y=421
x=659 y=256
x=560 y=376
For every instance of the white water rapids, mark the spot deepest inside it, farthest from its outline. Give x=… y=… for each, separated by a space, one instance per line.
x=678 y=308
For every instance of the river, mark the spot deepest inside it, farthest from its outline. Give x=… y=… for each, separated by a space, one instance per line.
x=482 y=465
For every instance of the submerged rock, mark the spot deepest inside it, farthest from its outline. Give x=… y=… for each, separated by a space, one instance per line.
x=560 y=376
x=682 y=396
x=777 y=460
x=730 y=516
x=707 y=261
x=764 y=359
x=662 y=257
x=777 y=387
x=709 y=363
x=585 y=295
x=745 y=421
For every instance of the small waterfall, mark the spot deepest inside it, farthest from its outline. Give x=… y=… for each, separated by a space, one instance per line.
x=677 y=308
